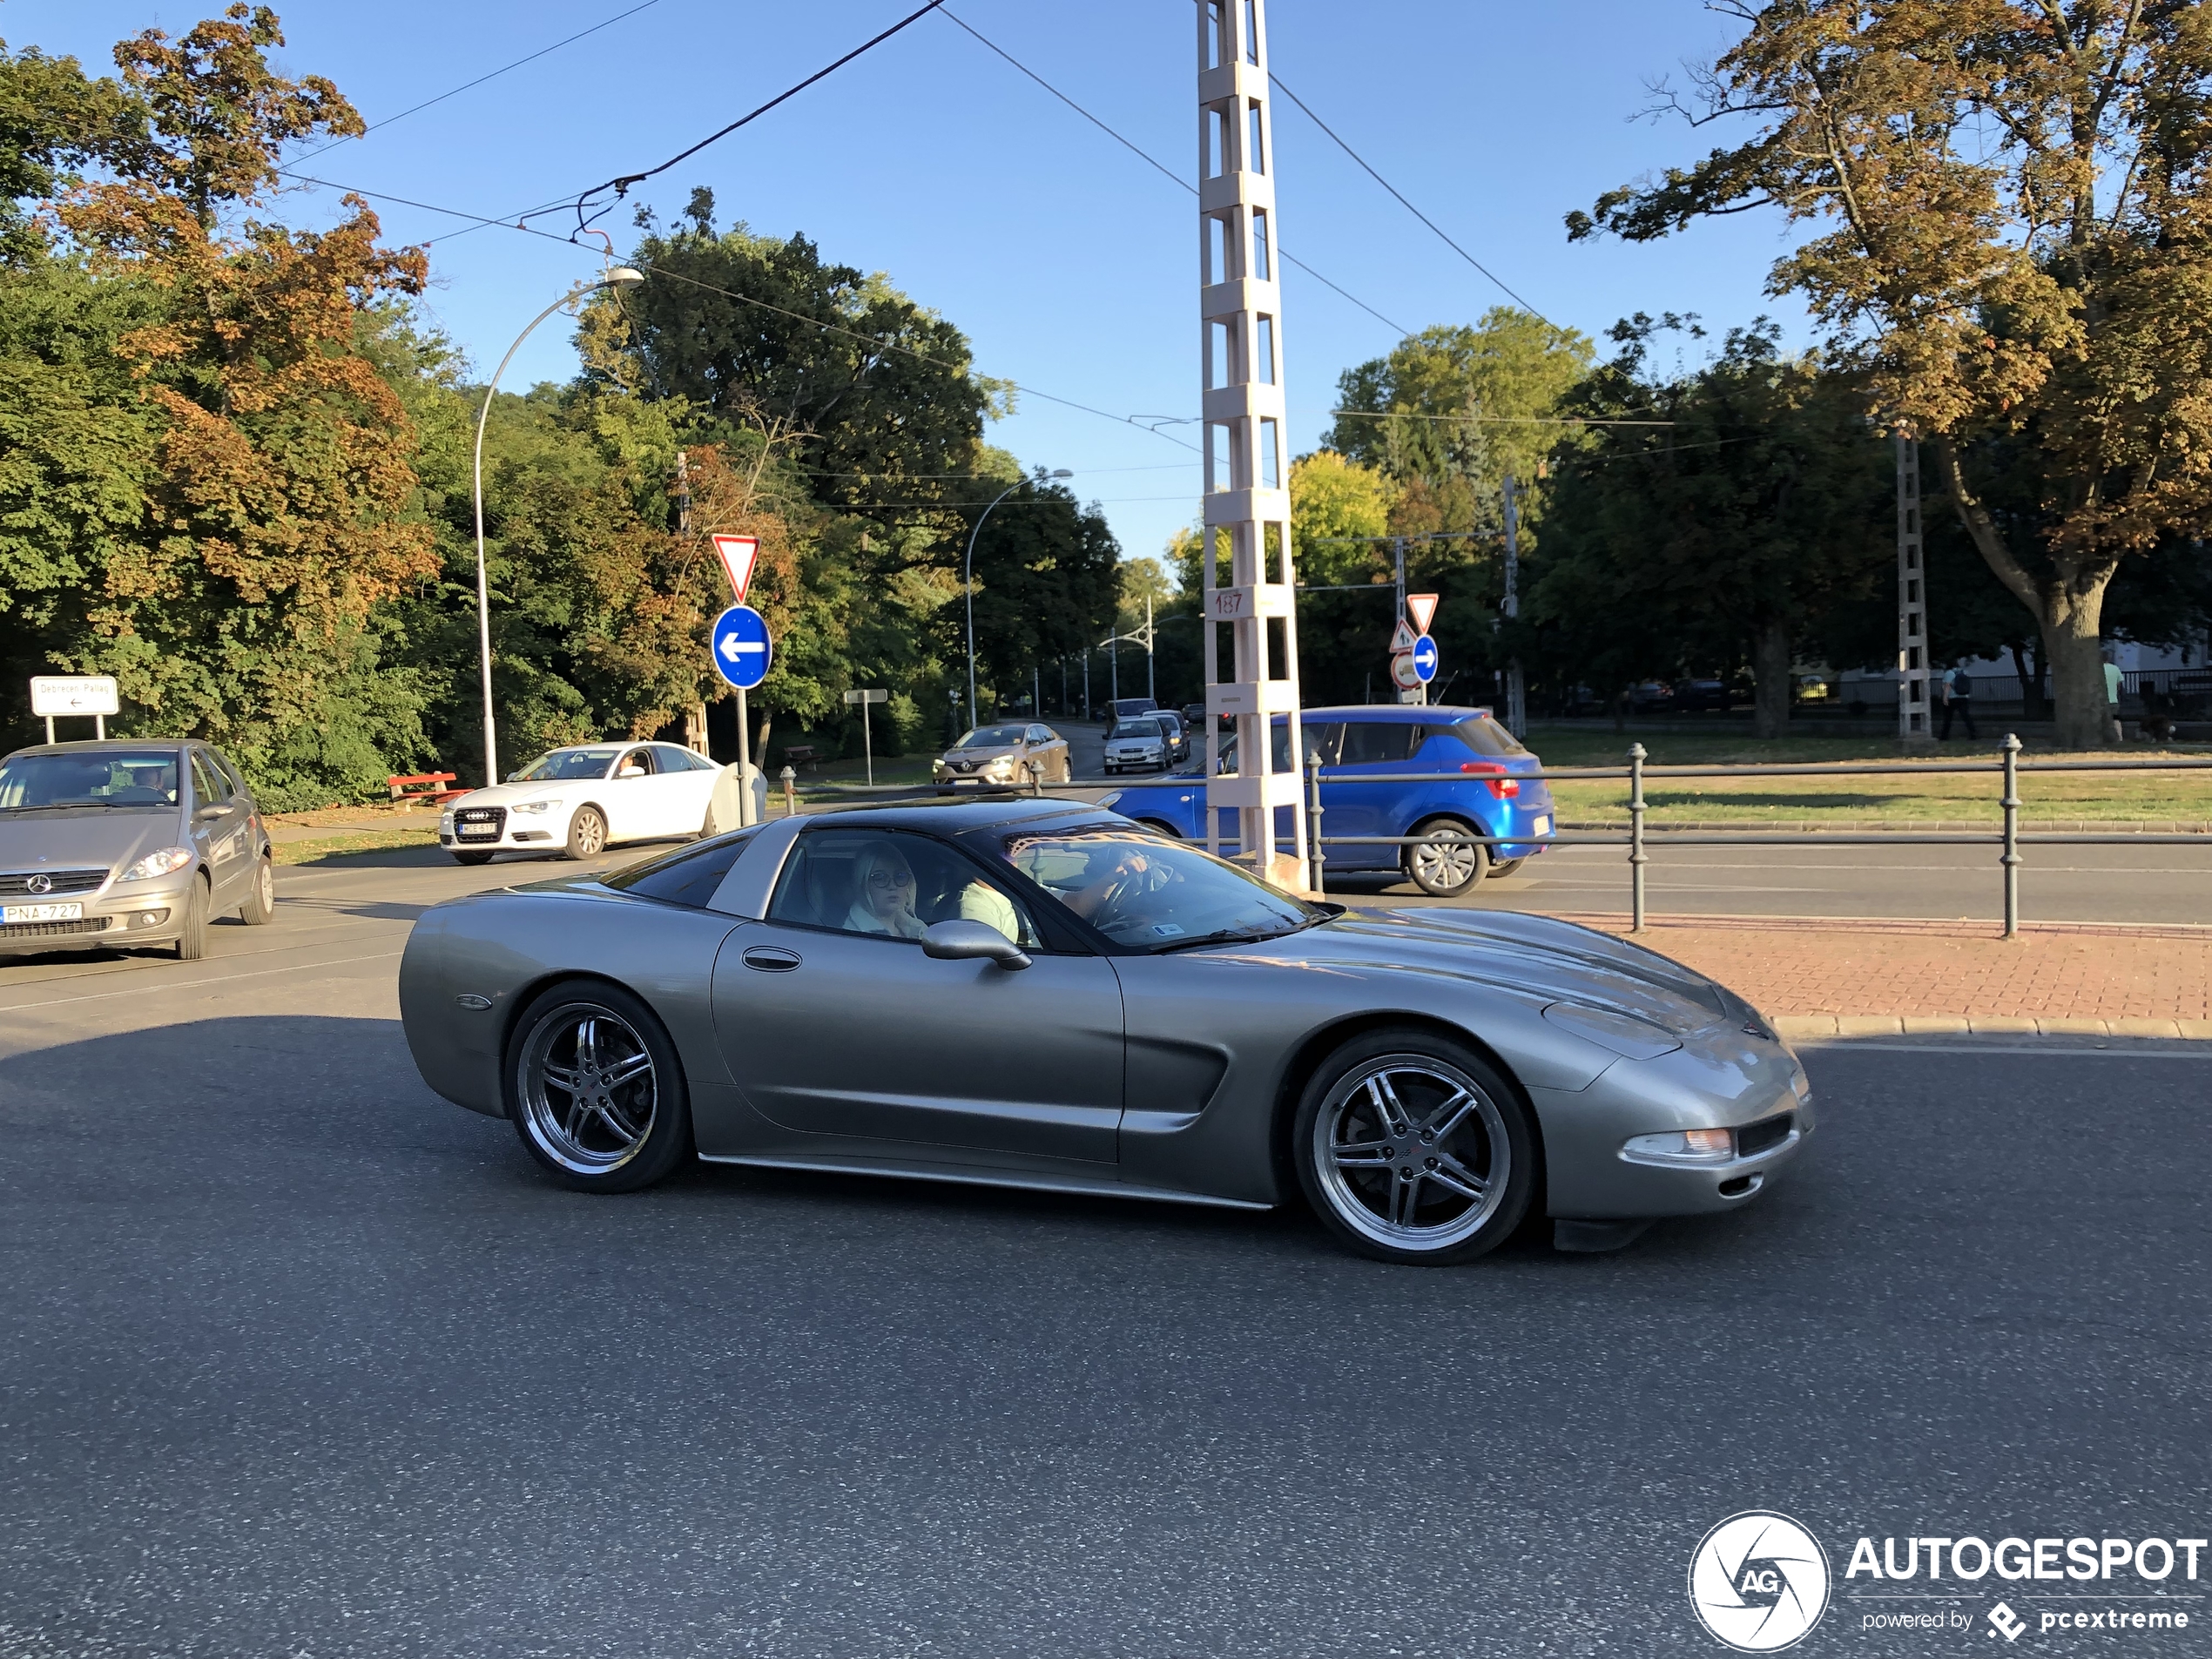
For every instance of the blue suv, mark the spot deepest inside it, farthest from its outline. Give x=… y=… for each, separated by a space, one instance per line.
x=1474 y=780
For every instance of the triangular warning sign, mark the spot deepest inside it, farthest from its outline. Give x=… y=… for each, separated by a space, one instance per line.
x=1423 y=605
x=1402 y=637
x=737 y=553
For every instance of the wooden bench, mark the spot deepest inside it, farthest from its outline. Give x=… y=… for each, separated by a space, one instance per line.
x=800 y=754
x=427 y=786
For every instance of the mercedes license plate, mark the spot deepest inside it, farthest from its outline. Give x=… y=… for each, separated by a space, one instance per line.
x=11 y=914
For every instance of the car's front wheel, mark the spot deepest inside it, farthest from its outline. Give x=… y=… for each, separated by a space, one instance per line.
x=1445 y=863
x=596 y=1090
x=1410 y=1148
x=472 y=858
x=191 y=926
x=587 y=833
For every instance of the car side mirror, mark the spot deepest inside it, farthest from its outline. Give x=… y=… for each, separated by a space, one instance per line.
x=211 y=809
x=514 y=777
x=961 y=941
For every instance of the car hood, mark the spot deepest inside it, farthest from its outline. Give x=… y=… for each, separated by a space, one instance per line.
x=508 y=794
x=1531 y=956
x=86 y=838
x=1004 y=752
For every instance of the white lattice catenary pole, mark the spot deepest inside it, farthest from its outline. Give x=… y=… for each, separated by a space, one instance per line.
x=1248 y=503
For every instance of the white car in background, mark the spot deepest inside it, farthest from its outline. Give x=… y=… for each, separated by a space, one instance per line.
x=582 y=799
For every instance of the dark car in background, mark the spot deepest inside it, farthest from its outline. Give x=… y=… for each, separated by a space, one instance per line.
x=1472 y=777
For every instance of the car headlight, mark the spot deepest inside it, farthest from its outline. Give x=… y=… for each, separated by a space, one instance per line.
x=167 y=861
x=1631 y=1038
x=533 y=808
x=1683 y=1146
x=1109 y=797
x=445 y=822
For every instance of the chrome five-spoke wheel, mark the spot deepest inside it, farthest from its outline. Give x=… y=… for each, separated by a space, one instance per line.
x=1415 y=1154
x=596 y=1090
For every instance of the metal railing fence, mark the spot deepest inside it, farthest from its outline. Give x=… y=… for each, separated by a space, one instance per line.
x=2007 y=768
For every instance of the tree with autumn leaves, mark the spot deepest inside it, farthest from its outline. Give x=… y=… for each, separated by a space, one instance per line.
x=2011 y=245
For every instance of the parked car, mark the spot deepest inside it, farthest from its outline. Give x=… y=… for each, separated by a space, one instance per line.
x=839 y=993
x=1178 y=734
x=1696 y=697
x=1000 y=757
x=126 y=843
x=581 y=801
x=1136 y=743
x=1651 y=696
x=1473 y=782
x=1125 y=707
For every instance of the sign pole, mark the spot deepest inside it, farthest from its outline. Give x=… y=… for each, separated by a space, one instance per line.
x=868 y=743
x=745 y=763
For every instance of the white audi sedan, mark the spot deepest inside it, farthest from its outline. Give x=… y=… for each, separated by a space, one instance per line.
x=582 y=799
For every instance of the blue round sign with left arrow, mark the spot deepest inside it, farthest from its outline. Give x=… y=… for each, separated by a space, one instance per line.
x=743 y=648
x=1424 y=658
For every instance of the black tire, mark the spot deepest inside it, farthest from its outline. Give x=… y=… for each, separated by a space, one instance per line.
x=472 y=858
x=1509 y=866
x=1446 y=864
x=1158 y=828
x=192 y=936
x=594 y=1132
x=587 y=833
x=1449 y=1180
x=259 y=908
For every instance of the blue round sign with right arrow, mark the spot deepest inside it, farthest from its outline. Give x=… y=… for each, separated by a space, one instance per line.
x=1424 y=658
x=743 y=648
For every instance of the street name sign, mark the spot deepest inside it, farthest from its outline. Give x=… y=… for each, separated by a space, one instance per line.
x=742 y=646
x=85 y=694
x=738 y=554
x=868 y=697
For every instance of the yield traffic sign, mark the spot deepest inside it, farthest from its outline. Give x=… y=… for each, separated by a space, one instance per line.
x=1424 y=659
x=743 y=648
x=1423 y=606
x=738 y=554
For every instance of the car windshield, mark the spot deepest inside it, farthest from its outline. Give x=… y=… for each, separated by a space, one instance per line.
x=101 y=778
x=1154 y=894
x=1145 y=729
x=568 y=763
x=992 y=737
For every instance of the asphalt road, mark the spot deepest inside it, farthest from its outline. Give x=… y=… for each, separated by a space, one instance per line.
x=295 y=1359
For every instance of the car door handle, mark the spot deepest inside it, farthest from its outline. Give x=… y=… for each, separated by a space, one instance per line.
x=771 y=959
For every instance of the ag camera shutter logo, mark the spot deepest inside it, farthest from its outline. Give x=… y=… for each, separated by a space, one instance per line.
x=1759 y=1582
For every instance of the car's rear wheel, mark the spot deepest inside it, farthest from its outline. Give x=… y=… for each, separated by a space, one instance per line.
x=1509 y=866
x=596 y=1090
x=192 y=927
x=587 y=833
x=1410 y=1148
x=472 y=858
x=1445 y=863
x=260 y=906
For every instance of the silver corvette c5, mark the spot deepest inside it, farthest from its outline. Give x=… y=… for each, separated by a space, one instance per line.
x=844 y=992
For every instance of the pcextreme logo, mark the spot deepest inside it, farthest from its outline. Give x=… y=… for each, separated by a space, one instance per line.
x=1759 y=1582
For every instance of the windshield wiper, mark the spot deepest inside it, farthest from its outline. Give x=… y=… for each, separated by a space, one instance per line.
x=1230 y=936
x=49 y=806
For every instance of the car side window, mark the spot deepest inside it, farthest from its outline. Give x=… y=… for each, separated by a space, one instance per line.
x=891 y=885
x=672 y=758
x=1039 y=734
x=638 y=763
x=691 y=876
x=208 y=782
x=1371 y=743
x=1321 y=738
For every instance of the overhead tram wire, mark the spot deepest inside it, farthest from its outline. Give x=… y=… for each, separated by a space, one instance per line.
x=1159 y=166
x=871 y=340
x=494 y=75
x=1409 y=206
x=620 y=184
x=1491 y=419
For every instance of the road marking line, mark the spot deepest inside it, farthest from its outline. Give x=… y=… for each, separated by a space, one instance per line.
x=2198 y=1050
x=196 y=984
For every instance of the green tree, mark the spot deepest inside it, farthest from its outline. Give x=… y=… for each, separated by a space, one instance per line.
x=2009 y=201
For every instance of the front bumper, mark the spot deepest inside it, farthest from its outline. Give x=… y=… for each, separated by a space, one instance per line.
x=501 y=829
x=1722 y=1078
x=113 y=918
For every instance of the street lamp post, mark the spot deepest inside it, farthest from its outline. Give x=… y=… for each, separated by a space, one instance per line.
x=967 y=582
x=621 y=277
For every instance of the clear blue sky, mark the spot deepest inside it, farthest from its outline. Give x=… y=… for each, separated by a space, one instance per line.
x=1070 y=264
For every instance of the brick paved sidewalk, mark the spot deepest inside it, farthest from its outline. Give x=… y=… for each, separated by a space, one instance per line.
x=1828 y=976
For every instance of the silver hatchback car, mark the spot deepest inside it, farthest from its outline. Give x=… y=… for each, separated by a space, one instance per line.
x=123 y=844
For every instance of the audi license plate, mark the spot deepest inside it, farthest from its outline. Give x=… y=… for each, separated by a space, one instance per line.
x=11 y=914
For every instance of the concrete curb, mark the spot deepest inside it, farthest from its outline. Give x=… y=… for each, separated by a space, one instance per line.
x=1804 y=1026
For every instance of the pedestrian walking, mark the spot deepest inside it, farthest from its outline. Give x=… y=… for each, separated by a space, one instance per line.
x=2112 y=696
x=1958 y=700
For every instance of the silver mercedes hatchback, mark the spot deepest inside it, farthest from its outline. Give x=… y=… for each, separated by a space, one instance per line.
x=123 y=844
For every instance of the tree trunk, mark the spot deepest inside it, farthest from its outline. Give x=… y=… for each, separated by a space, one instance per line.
x=760 y=749
x=2068 y=610
x=1771 y=680
x=2031 y=684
